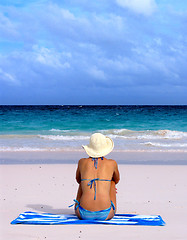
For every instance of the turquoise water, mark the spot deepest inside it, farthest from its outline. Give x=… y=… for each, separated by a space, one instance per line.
x=56 y=128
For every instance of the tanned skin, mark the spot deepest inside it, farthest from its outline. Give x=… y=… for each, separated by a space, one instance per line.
x=105 y=190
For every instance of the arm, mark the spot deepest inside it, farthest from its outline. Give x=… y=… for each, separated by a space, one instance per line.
x=78 y=174
x=116 y=175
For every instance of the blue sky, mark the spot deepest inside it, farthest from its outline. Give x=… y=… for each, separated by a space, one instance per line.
x=93 y=52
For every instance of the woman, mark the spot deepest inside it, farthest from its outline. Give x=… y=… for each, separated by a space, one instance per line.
x=97 y=176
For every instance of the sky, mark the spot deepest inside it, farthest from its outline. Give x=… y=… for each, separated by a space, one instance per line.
x=93 y=52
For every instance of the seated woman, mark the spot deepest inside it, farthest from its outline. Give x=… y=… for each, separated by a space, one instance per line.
x=97 y=176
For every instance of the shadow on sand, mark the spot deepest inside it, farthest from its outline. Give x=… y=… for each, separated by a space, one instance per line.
x=49 y=209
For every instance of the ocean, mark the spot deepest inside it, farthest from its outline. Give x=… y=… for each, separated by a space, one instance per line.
x=67 y=128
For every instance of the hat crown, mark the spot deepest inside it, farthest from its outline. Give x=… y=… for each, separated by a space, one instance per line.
x=97 y=141
x=99 y=145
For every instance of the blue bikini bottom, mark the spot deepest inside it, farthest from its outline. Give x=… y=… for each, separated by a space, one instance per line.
x=94 y=215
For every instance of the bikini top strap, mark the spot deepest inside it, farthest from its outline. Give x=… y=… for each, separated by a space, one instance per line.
x=93 y=181
x=96 y=161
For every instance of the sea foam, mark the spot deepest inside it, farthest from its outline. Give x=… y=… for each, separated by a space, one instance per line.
x=63 y=138
x=147 y=134
x=124 y=139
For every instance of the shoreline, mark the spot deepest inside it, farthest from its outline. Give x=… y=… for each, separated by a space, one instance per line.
x=132 y=158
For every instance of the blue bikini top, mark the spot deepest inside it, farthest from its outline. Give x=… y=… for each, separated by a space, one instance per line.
x=93 y=181
x=96 y=161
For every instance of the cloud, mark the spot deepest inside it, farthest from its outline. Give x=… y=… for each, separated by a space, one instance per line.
x=76 y=49
x=67 y=14
x=8 y=28
x=7 y=77
x=145 y=7
x=97 y=73
x=50 y=57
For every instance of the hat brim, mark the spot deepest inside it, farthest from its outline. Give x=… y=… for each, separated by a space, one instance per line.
x=92 y=153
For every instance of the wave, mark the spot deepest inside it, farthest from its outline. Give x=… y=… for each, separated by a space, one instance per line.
x=59 y=130
x=63 y=138
x=156 y=144
x=30 y=149
x=22 y=149
x=113 y=133
x=70 y=140
x=147 y=134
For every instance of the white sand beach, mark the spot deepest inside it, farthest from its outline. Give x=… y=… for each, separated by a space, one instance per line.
x=50 y=188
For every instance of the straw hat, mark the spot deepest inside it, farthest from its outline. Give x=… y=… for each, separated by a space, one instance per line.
x=99 y=145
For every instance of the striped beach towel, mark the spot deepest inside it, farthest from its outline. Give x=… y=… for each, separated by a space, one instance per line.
x=118 y=219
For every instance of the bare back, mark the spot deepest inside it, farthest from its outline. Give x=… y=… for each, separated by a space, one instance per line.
x=107 y=169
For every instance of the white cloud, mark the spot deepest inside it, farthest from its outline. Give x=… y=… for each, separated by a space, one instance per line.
x=124 y=64
x=50 y=57
x=145 y=7
x=8 y=77
x=67 y=54
x=97 y=73
x=67 y=14
x=7 y=27
x=101 y=45
x=158 y=41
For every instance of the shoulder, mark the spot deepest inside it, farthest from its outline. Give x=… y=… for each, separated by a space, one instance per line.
x=111 y=161
x=82 y=160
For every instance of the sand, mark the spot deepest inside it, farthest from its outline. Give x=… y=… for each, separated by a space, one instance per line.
x=143 y=189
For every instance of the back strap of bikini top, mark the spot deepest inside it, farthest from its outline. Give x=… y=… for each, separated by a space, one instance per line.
x=96 y=161
x=93 y=181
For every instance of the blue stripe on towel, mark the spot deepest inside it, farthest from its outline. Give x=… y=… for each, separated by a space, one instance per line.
x=118 y=219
